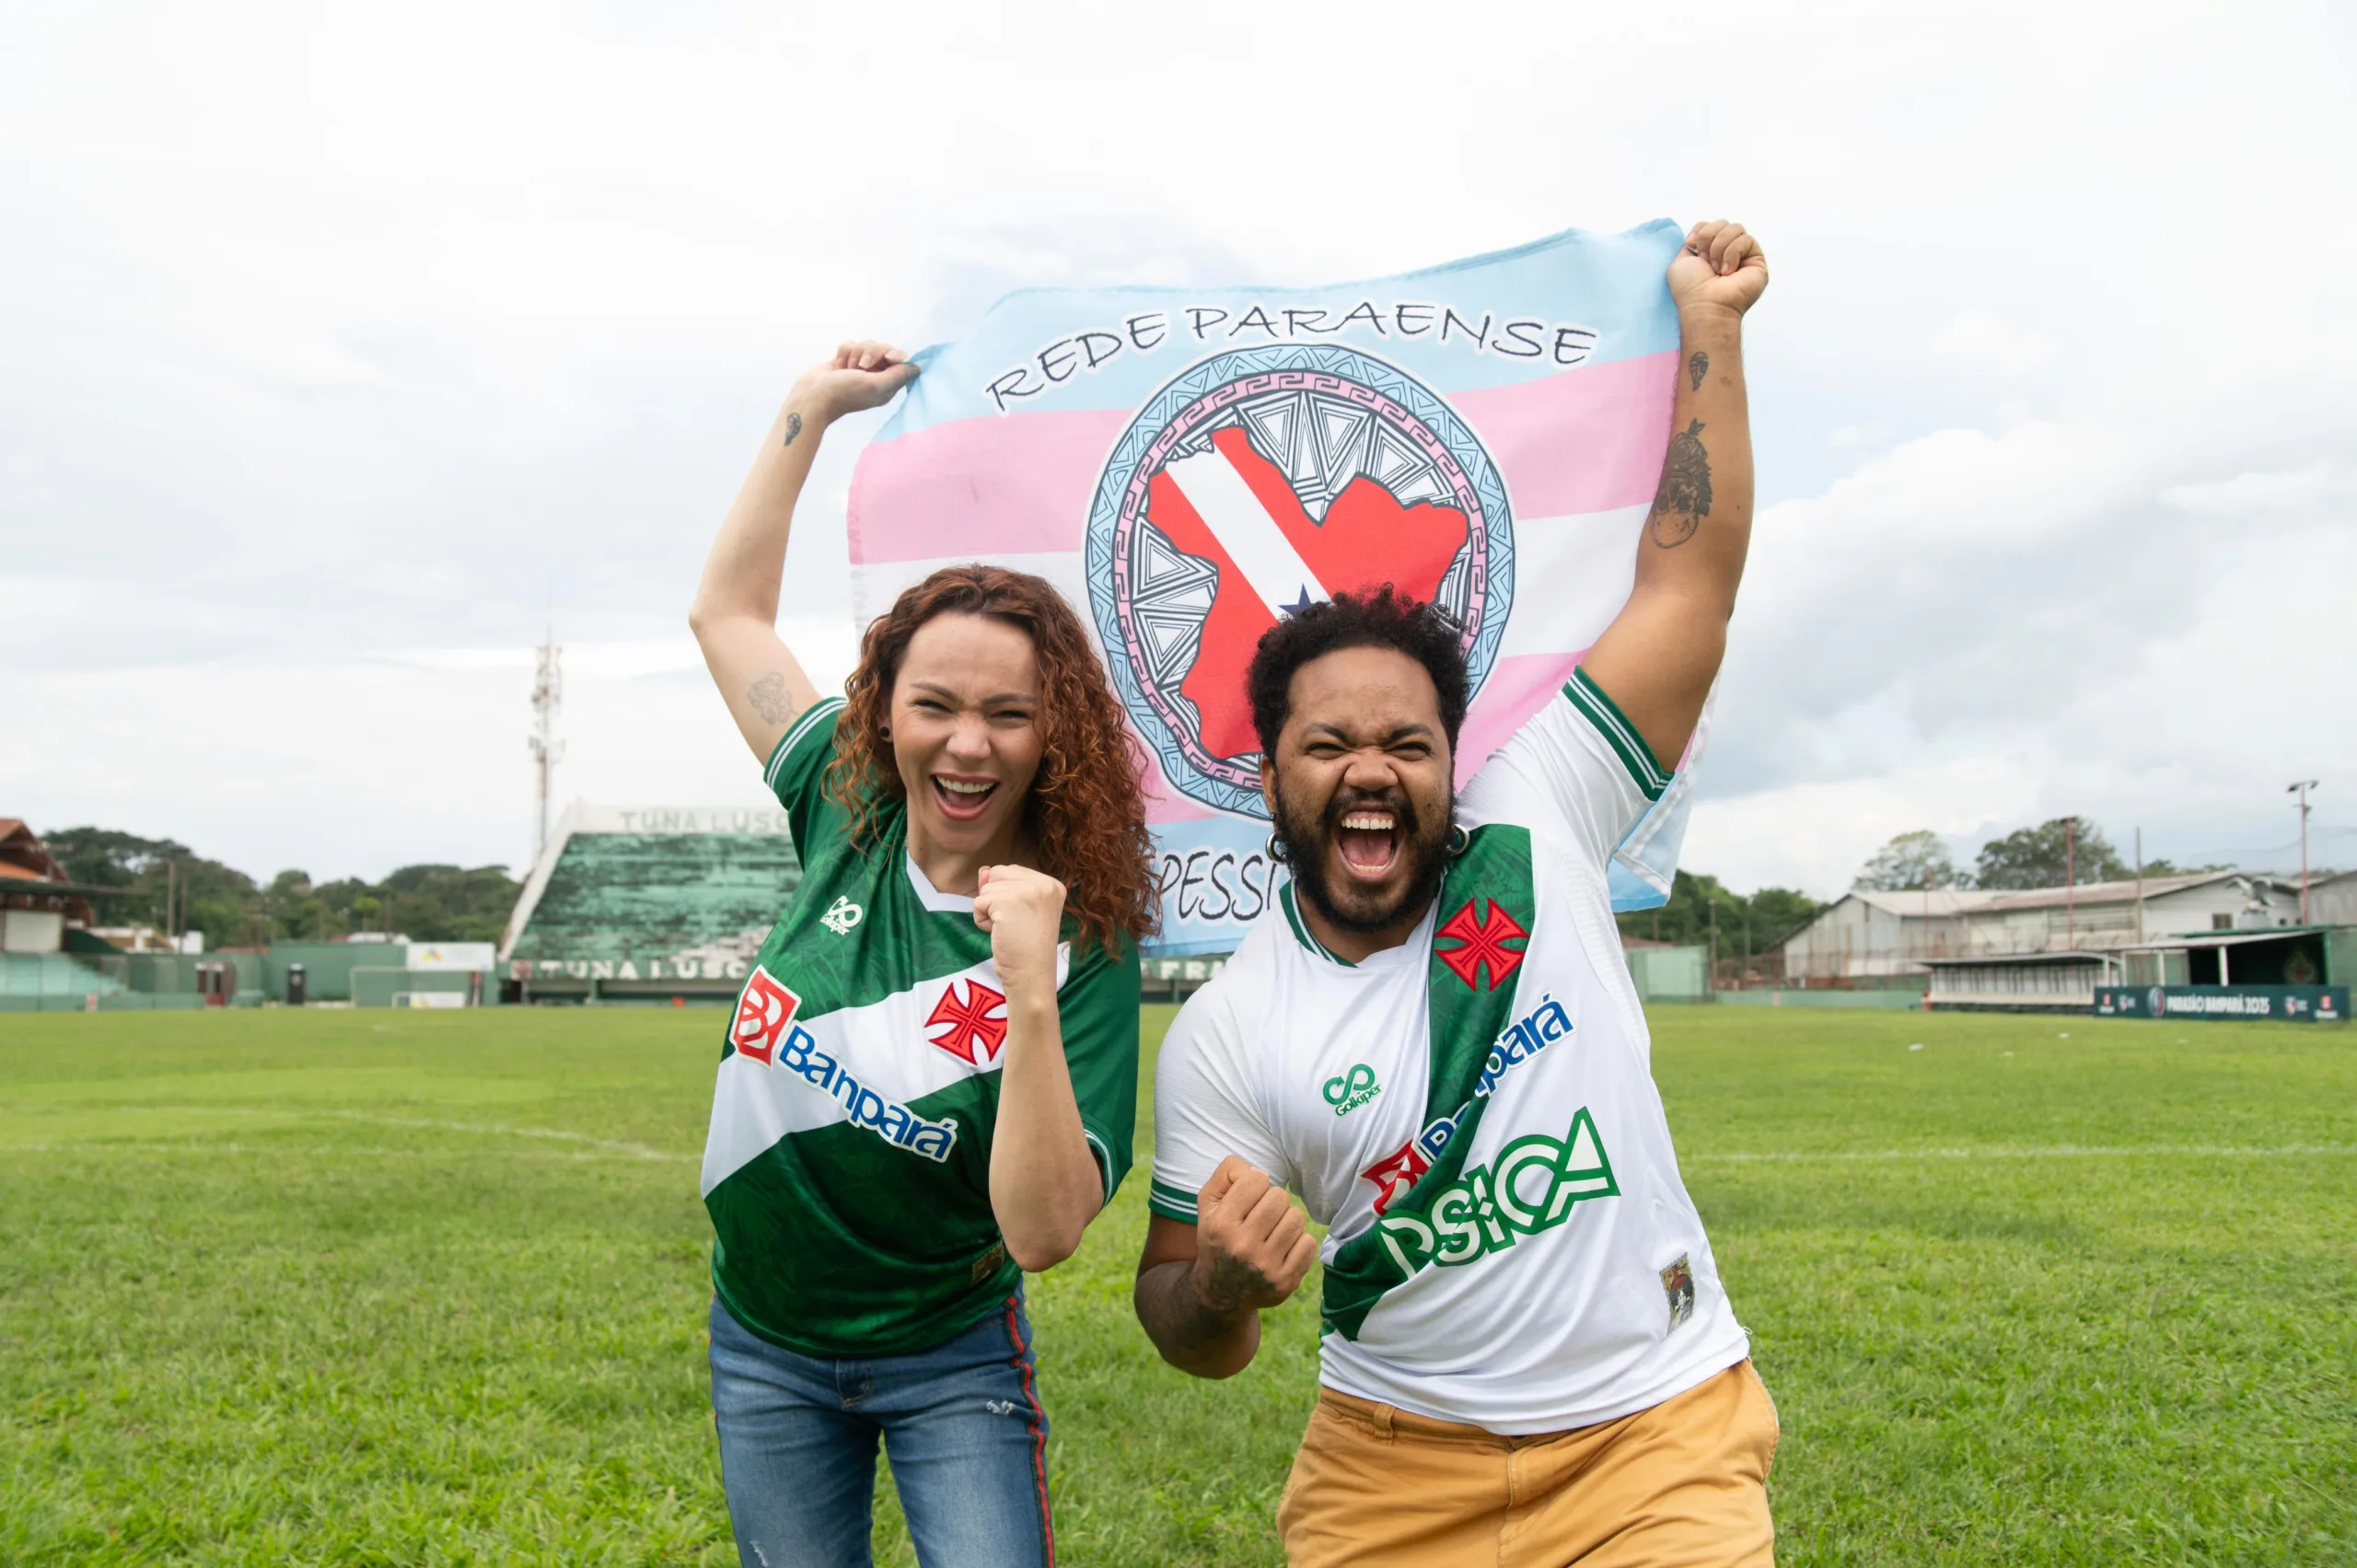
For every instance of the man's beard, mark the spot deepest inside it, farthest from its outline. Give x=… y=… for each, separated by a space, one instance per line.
x=1307 y=844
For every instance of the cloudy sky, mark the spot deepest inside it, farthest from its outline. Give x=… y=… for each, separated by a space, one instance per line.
x=344 y=349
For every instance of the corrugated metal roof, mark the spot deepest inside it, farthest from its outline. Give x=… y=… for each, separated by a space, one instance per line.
x=1972 y=901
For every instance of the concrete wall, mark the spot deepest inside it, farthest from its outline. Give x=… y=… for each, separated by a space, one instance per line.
x=1670 y=974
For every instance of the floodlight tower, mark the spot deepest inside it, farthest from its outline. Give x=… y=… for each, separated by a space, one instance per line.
x=2301 y=789
x=547 y=694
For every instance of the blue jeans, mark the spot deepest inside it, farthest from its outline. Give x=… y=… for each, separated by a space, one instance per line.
x=962 y=1423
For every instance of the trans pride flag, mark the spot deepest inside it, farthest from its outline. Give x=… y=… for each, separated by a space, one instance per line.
x=1187 y=465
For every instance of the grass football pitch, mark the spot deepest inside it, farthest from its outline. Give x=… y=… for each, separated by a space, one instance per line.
x=429 y=1288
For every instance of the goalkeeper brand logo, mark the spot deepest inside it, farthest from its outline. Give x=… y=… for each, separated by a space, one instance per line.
x=763 y=1010
x=1348 y=1091
x=1531 y=1187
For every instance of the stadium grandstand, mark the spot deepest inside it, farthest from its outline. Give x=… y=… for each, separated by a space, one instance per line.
x=648 y=904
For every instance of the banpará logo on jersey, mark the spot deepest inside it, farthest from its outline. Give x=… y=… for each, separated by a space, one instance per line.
x=842 y=916
x=1348 y=1091
x=1255 y=484
x=863 y=1106
x=1481 y=953
x=1531 y=1187
x=1531 y=1033
x=764 y=1009
x=970 y=1034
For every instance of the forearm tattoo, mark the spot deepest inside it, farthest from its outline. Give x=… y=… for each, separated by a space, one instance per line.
x=1684 y=498
x=1696 y=368
x=1231 y=1282
x=769 y=697
x=793 y=429
x=1172 y=1314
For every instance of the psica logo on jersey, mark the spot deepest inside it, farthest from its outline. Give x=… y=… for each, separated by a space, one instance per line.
x=972 y=1035
x=1529 y=1188
x=1348 y=1091
x=841 y=916
x=1531 y=1033
x=763 y=1010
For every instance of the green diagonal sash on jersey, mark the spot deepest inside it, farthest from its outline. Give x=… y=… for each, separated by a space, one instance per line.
x=1471 y=1006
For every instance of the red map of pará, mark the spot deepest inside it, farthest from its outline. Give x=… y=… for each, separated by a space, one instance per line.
x=1234 y=508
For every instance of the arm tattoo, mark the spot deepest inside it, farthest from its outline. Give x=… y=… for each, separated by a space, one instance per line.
x=769 y=697
x=1173 y=1315
x=1684 y=498
x=1697 y=367
x=793 y=429
x=1232 y=1280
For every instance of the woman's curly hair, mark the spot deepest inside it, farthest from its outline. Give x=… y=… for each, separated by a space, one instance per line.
x=1084 y=812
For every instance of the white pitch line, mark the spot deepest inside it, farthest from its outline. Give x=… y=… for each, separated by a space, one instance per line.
x=2052 y=1151
x=638 y=1151
x=1271 y=565
x=480 y=1129
x=324 y=1151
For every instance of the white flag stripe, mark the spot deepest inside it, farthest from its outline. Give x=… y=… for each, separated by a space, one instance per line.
x=1572 y=575
x=1251 y=536
x=875 y=587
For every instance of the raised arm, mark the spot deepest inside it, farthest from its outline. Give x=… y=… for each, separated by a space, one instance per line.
x=734 y=613
x=1659 y=657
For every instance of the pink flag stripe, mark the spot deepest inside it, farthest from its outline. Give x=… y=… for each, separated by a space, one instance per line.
x=1587 y=440
x=980 y=488
x=1516 y=689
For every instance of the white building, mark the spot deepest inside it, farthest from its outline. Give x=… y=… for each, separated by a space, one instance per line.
x=2044 y=946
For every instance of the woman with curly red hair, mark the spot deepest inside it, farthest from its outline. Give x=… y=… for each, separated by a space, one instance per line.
x=929 y=1082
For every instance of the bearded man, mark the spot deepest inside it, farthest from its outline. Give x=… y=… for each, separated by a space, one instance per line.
x=1435 y=1042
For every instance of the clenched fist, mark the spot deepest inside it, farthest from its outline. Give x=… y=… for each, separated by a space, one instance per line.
x=1252 y=1246
x=1720 y=267
x=861 y=375
x=1022 y=910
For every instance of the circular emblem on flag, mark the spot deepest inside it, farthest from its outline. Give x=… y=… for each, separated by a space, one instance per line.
x=1254 y=484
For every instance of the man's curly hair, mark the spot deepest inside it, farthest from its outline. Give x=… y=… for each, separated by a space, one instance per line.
x=1384 y=618
x=1084 y=812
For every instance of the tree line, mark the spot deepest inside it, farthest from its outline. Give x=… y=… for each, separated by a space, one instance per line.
x=167 y=885
x=2060 y=852
x=1700 y=911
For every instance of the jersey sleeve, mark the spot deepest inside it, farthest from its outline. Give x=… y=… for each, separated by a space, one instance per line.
x=1578 y=767
x=1204 y=1109
x=797 y=769
x=1098 y=1013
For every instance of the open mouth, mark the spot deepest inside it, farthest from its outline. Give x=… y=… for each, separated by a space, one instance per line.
x=1369 y=844
x=962 y=799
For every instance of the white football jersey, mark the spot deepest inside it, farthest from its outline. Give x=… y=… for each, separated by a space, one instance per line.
x=1558 y=1275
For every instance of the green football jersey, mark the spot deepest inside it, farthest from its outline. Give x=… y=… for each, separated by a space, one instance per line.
x=847 y=1171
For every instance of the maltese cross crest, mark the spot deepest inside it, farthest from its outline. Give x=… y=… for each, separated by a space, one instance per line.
x=970 y=1033
x=1482 y=952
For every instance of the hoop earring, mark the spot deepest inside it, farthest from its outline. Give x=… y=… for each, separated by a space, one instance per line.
x=1460 y=841
x=1275 y=847
x=886 y=731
